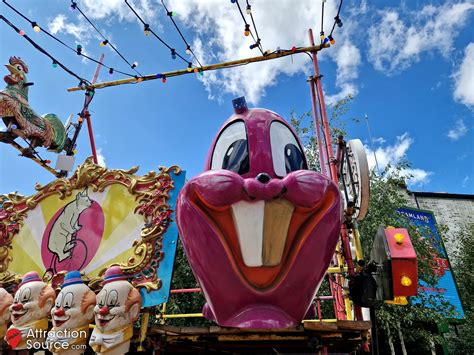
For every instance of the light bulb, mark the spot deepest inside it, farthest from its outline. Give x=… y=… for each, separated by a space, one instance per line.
x=146 y=30
x=196 y=70
x=73 y=6
x=247 y=30
x=35 y=26
x=134 y=65
x=249 y=10
x=163 y=79
x=331 y=39
x=188 y=50
x=190 y=67
x=406 y=281
x=111 y=71
x=293 y=49
x=21 y=32
x=55 y=64
x=399 y=237
x=104 y=43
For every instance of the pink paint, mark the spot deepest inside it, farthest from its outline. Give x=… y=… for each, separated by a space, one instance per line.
x=88 y=239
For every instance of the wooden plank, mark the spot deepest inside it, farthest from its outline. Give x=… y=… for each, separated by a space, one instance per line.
x=320 y=326
x=354 y=325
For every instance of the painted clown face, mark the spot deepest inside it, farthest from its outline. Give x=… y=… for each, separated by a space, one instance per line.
x=258 y=227
x=5 y=302
x=118 y=305
x=74 y=307
x=32 y=302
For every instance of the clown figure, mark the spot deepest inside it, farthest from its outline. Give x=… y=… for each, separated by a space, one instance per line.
x=118 y=306
x=5 y=302
x=29 y=312
x=71 y=315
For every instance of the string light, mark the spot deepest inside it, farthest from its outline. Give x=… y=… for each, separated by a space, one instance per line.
x=134 y=65
x=232 y=1
x=338 y=21
x=73 y=6
x=76 y=49
x=163 y=79
x=190 y=67
x=158 y=76
x=111 y=71
x=331 y=39
x=293 y=49
x=249 y=10
x=247 y=30
x=173 y=53
x=321 y=35
x=188 y=50
x=35 y=26
x=146 y=29
x=105 y=41
x=55 y=64
x=196 y=70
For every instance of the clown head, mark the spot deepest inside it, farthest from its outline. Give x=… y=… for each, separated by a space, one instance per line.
x=5 y=301
x=32 y=301
x=118 y=303
x=74 y=307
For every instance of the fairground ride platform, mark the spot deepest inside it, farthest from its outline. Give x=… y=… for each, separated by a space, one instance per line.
x=340 y=336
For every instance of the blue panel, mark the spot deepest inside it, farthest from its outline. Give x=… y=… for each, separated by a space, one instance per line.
x=170 y=240
x=445 y=289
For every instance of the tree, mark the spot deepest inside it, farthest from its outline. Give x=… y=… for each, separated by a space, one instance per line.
x=463 y=343
x=402 y=322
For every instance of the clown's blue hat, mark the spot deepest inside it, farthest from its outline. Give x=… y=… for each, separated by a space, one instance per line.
x=72 y=278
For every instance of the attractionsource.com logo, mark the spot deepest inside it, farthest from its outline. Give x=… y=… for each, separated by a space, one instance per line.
x=52 y=340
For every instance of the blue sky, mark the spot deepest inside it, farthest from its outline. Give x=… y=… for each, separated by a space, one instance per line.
x=409 y=66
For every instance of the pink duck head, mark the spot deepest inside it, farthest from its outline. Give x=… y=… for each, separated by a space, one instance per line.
x=259 y=229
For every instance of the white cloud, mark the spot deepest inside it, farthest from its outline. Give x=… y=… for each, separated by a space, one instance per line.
x=394 y=154
x=100 y=158
x=60 y=24
x=465 y=181
x=458 y=130
x=401 y=37
x=463 y=78
x=219 y=37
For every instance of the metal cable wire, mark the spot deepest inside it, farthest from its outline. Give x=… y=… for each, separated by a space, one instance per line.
x=63 y=43
x=74 y=4
x=255 y=27
x=188 y=46
x=173 y=50
x=42 y=50
x=247 y=25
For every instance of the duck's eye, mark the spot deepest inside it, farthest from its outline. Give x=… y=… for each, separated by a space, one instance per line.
x=19 y=67
x=286 y=151
x=231 y=149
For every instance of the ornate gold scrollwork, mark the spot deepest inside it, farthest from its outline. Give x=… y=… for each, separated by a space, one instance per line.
x=152 y=195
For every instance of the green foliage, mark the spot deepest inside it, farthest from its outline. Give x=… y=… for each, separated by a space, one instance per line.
x=462 y=266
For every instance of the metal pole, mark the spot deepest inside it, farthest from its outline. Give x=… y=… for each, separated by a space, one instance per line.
x=327 y=133
x=322 y=160
x=277 y=54
x=88 y=116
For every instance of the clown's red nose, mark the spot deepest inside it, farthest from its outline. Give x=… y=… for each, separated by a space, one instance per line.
x=17 y=307
x=104 y=311
x=59 y=312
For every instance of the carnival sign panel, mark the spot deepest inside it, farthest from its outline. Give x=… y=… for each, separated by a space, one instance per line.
x=95 y=219
x=445 y=289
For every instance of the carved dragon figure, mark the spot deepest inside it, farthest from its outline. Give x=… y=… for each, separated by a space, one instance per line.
x=47 y=130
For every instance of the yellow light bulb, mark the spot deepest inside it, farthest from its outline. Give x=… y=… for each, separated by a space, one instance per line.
x=399 y=237
x=102 y=44
x=406 y=281
x=36 y=28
